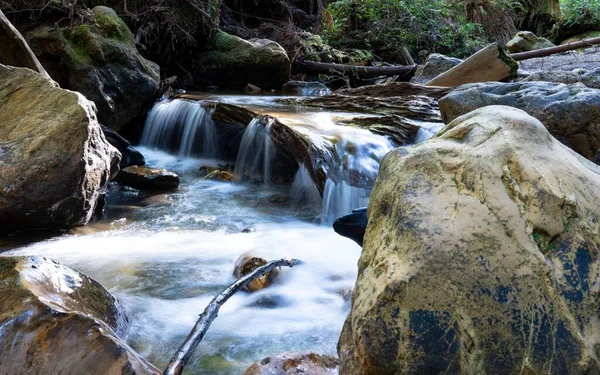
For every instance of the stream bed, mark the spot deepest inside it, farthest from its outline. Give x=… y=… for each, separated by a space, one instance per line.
x=165 y=256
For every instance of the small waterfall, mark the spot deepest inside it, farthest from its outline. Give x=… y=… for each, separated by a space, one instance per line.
x=181 y=126
x=355 y=164
x=256 y=154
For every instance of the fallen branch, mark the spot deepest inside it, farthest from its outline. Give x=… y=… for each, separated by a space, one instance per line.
x=552 y=50
x=14 y=50
x=209 y=314
x=311 y=67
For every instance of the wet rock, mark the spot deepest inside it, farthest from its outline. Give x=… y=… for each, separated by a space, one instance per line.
x=590 y=78
x=435 y=65
x=129 y=155
x=145 y=178
x=527 y=41
x=295 y=364
x=54 y=159
x=398 y=129
x=414 y=102
x=99 y=59
x=220 y=173
x=352 y=226
x=228 y=61
x=247 y=263
x=305 y=88
x=570 y=112
x=499 y=282
x=58 y=321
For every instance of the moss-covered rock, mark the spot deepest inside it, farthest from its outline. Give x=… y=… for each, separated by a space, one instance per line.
x=435 y=65
x=527 y=41
x=56 y=320
x=54 y=159
x=100 y=60
x=313 y=48
x=227 y=61
x=480 y=256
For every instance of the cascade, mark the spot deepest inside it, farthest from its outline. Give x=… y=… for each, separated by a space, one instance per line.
x=256 y=153
x=181 y=126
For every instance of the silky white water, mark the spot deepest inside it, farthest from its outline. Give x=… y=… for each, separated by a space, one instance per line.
x=165 y=256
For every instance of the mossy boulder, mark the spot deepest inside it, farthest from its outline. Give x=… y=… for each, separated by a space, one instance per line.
x=527 y=41
x=230 y=62
x=570 y=112
x=313 y=48
x=100 y=60
x=435 y=65
x=58 y=321
x=54 y=159
x=480 y=256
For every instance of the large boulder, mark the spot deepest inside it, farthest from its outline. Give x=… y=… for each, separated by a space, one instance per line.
x=480 y=256
x=230 y=62
x=570 y=112
x=58 y=321
x=100 y=60
x=527 y=41
x=435 y=65
x=54 y=159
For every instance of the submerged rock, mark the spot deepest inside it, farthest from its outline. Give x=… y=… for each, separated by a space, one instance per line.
x=295 y=364
x=247 y=263
x=570 y=112
x=527 y=41
x=146 y=178
x=480 y=256
x=100 y=60
x=435 y=65
x=230 y=62
x=220 y=173
x=58 y=321
x=54 y=159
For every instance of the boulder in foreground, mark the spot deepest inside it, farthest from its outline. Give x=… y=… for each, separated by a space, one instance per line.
x=480 y=257
x=58 y=321
x=54 y=159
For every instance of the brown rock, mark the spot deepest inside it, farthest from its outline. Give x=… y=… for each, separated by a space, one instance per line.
x=247 y=263
x=295 y=364
x=146 y=178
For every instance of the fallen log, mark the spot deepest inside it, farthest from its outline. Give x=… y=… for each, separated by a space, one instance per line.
x=14 y=50
x=209 y=314
x=311 y=67
x=552 y=50
x=488 y=64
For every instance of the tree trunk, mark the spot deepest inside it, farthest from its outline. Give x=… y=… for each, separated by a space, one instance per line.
x=541 y=16
x=14 y=50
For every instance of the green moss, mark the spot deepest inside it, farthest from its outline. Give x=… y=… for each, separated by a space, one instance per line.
x=216 y=364
x=109 y=25
x=514 y=66
x=7 y=264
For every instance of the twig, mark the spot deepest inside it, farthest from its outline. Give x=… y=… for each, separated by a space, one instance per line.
x=209 y=314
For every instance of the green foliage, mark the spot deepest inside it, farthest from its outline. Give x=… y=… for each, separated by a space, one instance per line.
x=582 y=13
x=434 y=25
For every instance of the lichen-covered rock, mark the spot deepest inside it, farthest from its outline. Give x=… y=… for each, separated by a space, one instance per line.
x=101 y=61
x=480 y=257
x=570 y=112
x=527 y=41
x=230 y=62
x=54 y=159
x=146 y=178
x=295 y=364
x=435 y=65
x=58 y=321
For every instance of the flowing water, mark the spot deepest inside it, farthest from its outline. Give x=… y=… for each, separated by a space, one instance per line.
x=166 y=256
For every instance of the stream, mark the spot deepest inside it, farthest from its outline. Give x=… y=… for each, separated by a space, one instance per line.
x=165 y=256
